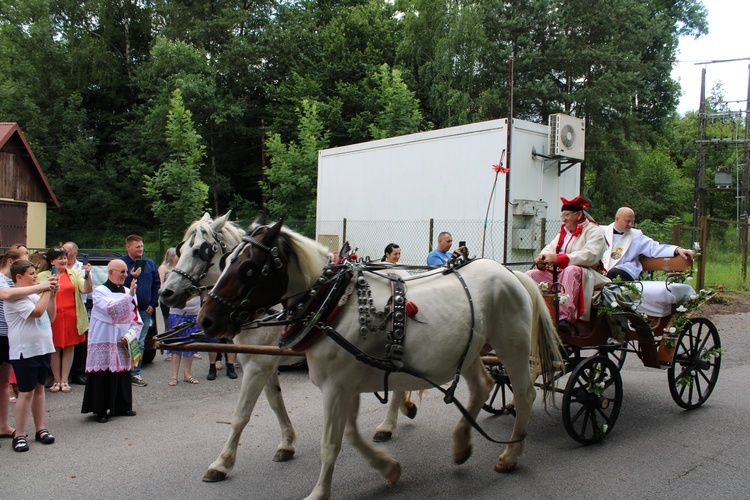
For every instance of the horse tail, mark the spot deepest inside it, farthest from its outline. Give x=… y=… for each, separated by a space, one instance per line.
x=546 y=346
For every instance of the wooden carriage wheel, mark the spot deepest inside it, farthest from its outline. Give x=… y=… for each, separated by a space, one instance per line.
x=695 y=365
x=592 y=399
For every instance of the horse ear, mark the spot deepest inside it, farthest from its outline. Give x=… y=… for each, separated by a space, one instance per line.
x=217 y=224
x=273 y=233
x=206 y=217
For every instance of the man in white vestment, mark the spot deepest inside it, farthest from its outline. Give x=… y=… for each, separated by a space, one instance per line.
x=626 y=245
x=114 y=325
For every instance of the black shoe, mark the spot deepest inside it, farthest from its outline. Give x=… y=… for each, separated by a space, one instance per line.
x=20 y=443
x=78 y=379
x=102 y=419
x=48 y=383
x=230 y=371
x=44 y=437
x=129 y=413
x=211 y=373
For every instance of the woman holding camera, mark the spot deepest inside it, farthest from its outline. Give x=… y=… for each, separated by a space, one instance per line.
x=71 y=322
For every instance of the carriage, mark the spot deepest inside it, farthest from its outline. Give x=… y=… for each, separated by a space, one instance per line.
x=662 y=333
x=480 y=298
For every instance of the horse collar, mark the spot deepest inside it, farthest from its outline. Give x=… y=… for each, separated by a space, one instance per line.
x=319 y=306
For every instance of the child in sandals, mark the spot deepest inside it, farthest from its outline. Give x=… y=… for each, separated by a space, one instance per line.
x=30 y=341
x=177 y=316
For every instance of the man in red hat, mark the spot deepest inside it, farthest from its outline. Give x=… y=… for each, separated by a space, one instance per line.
x=577 y=252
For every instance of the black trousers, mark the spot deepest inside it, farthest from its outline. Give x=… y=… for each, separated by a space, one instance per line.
x=78 y=367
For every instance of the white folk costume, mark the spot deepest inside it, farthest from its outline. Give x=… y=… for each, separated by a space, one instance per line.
x=579 y=255
x=108 y=364
x=625 y=249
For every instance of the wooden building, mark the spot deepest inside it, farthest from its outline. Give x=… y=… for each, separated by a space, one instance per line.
x=25 y=193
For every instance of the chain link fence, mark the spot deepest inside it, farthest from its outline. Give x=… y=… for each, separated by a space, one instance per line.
x=723 y=259
x=418 y=238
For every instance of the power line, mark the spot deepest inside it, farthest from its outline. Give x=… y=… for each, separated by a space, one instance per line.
x=716 y=61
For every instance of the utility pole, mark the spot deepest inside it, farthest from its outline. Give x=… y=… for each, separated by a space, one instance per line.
x=700 y=160
x=746 y=171
x=508 y=138
x=745 y=193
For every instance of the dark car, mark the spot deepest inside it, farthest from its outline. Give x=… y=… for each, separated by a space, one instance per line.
x=99 y=262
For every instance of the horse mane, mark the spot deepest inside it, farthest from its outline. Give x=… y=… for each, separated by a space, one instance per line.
x=229 y=228
x=235 y=231
x=310 y=255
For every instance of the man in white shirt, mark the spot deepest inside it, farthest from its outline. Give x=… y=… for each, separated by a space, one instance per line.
x=626 y=245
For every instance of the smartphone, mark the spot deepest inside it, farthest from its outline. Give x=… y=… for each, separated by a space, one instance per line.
x=138 y=264
x=85 y=260
x=53 y=270
x=461 y=244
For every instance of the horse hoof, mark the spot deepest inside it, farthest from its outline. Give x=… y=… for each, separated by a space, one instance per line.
x=393 y=472
x=382 y=436
x=412 y=410
x=501 y=466
x=283 y=455
x=214 y=476
x=461 y=457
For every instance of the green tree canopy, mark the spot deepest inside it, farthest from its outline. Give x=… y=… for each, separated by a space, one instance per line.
x=177 y=193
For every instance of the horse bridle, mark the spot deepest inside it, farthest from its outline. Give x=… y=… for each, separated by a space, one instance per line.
x=241 y=309
x=206 y=253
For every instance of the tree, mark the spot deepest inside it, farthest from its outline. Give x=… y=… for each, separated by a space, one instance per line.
x=291 y=179
x=399 y=110
x=177 y=193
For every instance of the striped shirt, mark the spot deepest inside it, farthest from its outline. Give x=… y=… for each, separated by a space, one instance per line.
x=5 y=282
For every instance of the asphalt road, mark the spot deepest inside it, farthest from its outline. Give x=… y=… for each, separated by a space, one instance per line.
x=656 y=450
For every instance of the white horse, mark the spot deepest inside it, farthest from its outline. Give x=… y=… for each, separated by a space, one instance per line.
x=203 y=245
x=459 y=311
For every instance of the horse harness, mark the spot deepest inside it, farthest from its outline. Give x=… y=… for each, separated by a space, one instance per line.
x=206 y=253
x=394 y=349
x=252 y=272
x=323 y=301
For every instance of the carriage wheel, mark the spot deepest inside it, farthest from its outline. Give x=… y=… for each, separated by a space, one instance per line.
x=695 y=367
x=501 y=394
x=617 y=355
x=592 y=399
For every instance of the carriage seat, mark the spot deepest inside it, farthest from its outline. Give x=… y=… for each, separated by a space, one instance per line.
x=660 y=296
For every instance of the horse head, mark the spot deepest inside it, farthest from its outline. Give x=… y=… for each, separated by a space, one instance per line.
x=199 y=252
x=254 y=277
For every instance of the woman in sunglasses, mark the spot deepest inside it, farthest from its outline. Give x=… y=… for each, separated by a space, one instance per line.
x=71 y=322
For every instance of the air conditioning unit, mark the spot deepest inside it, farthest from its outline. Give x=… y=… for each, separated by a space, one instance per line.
x=567 y=136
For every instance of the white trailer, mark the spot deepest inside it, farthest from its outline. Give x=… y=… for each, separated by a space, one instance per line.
x=408 y=189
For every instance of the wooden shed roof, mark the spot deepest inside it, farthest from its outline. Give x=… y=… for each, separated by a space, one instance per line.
x=11 y=139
